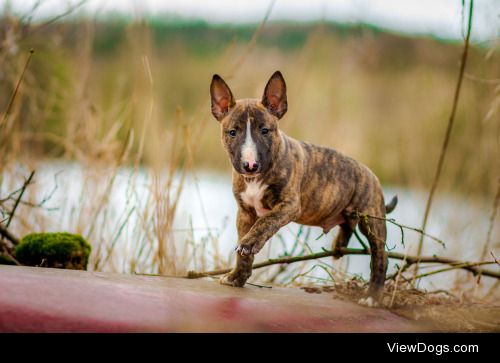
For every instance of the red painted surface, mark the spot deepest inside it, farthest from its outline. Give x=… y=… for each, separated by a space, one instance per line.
x=50 y=300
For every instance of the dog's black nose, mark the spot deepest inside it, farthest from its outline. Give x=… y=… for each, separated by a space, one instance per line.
x=251 y=167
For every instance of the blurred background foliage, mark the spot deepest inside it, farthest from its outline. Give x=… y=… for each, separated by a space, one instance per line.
x=381 y=97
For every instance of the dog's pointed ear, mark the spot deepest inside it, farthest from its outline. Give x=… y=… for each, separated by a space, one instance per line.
x=274 y=98
x=222 y=98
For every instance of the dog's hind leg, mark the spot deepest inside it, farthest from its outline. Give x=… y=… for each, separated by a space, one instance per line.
x=375 y=230
x=343 y=237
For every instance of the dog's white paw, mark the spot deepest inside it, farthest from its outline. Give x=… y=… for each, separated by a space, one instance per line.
x=224 y=280
x=368 y=301
x=235 y=278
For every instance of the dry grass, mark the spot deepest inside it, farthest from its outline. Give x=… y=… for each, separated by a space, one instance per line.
x=438 y=310
x=343 y=91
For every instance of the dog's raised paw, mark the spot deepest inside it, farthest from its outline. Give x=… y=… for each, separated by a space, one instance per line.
x=244 y=250
x=368 y=301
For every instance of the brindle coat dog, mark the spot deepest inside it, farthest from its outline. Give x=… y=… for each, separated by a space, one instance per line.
x=277 y=180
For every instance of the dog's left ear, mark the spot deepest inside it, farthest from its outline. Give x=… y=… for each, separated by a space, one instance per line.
x=274 y=98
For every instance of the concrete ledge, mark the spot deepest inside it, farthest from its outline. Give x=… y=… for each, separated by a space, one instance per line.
x=52 y=300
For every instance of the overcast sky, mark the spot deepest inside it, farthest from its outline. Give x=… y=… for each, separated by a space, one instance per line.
x=441 y=18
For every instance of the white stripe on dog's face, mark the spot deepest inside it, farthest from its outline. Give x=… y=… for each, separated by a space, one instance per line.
x=249 y=149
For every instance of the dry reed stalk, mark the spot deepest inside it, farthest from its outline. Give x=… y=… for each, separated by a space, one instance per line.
x=4 y=127
x=487 y=243
x=494 y=210
x=446 y=140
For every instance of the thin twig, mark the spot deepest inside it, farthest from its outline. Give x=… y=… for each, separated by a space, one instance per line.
x=489 y=233
x=4 y=233
x=454 y=267
x=14 y=94
x=252 y=42
x=359 y=215
x=358 y=237
x=399 y=275
x=447 y=135
x=16 y=204
x=68 y=11
x=494 y=258
x=482 y=80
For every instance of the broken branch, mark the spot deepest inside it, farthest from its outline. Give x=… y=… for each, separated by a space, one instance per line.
x=6 y=234
x=469 y=266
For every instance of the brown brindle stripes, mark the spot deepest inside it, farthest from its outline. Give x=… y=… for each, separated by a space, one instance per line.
x=278 y=180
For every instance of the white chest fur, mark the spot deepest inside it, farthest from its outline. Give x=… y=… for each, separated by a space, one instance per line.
x=253 y=195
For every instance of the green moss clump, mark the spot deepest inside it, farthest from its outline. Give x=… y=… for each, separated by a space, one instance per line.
x=58 y=250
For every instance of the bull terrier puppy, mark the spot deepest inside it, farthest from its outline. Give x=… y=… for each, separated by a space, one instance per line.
x=278 y=180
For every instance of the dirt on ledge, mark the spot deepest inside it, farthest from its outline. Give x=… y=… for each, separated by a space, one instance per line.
x=440 y=311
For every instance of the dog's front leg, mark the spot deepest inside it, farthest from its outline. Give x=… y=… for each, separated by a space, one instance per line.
x=245 y=219
x=266 y=226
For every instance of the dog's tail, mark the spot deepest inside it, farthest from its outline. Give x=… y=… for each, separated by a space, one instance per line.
x=392 y=204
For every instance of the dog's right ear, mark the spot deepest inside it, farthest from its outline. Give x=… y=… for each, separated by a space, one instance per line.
x=222 y=98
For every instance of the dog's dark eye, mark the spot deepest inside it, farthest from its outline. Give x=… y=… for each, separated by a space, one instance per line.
x=264 y=131
x=232 y=133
